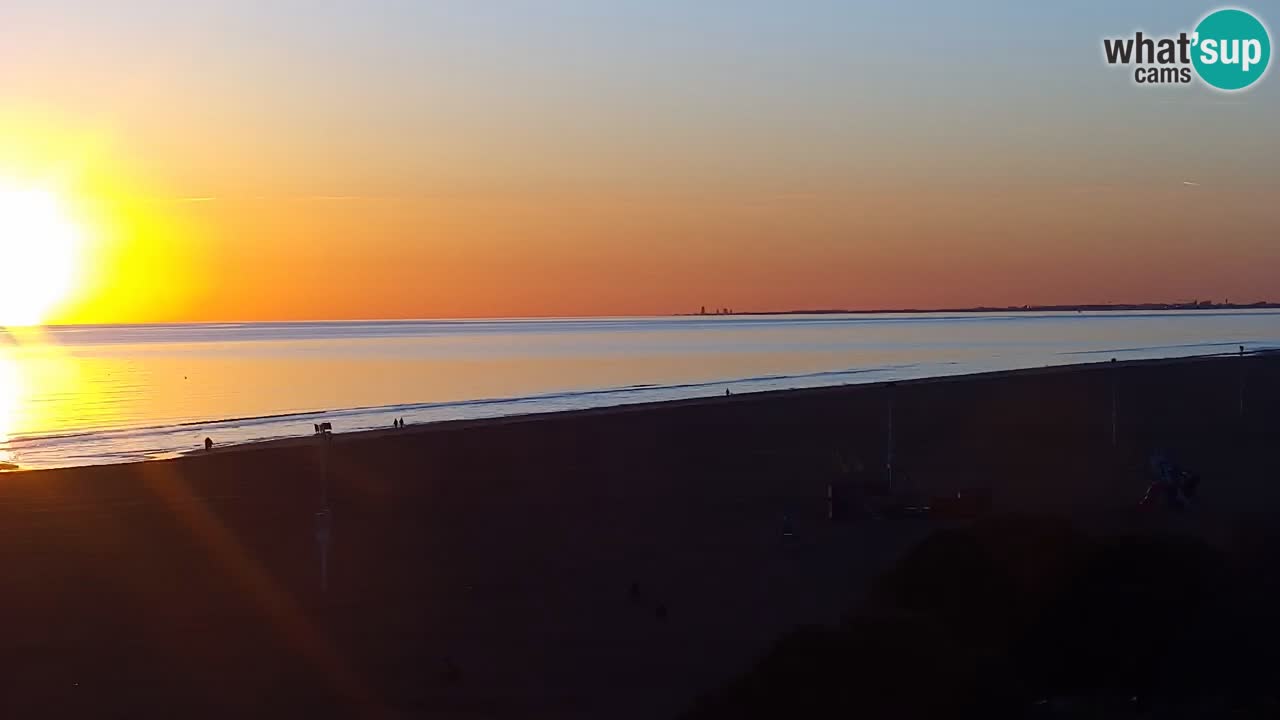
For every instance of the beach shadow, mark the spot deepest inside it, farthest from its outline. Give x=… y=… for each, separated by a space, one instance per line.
x=1028 y=617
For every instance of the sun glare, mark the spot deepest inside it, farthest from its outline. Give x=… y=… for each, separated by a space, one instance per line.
x=39 y=242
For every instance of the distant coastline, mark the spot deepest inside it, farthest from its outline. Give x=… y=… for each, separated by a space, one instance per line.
x=1095 y=307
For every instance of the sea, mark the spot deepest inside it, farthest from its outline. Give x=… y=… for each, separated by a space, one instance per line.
x=94 y=394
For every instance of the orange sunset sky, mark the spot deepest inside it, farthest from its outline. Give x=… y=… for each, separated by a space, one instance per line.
x=391 y=160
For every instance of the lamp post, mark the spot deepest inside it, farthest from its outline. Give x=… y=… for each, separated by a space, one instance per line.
x=324 y=517
x=1115 y=408
x=888 y=451
x=1243 y=369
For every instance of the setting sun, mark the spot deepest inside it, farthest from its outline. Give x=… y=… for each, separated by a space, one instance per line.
x=39 y=242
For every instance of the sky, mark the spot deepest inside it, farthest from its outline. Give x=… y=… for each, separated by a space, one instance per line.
x=240 y=160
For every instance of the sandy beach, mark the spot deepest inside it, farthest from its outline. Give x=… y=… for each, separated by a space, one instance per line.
x=601 y=563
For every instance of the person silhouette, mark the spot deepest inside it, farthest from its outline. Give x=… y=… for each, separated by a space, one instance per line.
x=208 y=444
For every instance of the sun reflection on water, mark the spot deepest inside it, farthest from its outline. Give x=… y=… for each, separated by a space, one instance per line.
x=10 y=391
x=33 y=369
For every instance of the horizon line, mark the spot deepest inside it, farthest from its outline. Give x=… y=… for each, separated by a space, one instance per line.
x=1050 y=307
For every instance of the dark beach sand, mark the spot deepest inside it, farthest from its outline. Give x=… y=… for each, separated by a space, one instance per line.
x=482 y=569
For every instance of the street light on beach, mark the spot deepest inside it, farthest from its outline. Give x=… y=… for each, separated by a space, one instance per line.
x=1243 y=370
x=888 y=453
x=1115 y=409
x=324 y=517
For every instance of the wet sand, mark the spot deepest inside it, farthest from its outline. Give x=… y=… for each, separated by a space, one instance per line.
x=484 y=568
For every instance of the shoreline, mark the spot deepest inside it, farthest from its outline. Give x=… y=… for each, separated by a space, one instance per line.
x=129 y=428
x=462 y=424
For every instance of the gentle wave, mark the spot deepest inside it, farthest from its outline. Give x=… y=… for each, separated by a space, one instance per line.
x=156 y=391
x=154 y=442
x=330 y=414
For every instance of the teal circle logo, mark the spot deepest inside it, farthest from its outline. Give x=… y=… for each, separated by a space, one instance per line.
x=1232 y=49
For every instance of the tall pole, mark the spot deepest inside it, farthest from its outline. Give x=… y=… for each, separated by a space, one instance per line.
x=1243 y=368
x=888 y=453
x=324 y=519
x=1115 y=409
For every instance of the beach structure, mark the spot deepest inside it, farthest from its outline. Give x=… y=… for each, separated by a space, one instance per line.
x=324 y=535
x=888 y=452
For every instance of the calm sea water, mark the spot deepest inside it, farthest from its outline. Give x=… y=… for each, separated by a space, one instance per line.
x=101 y=394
